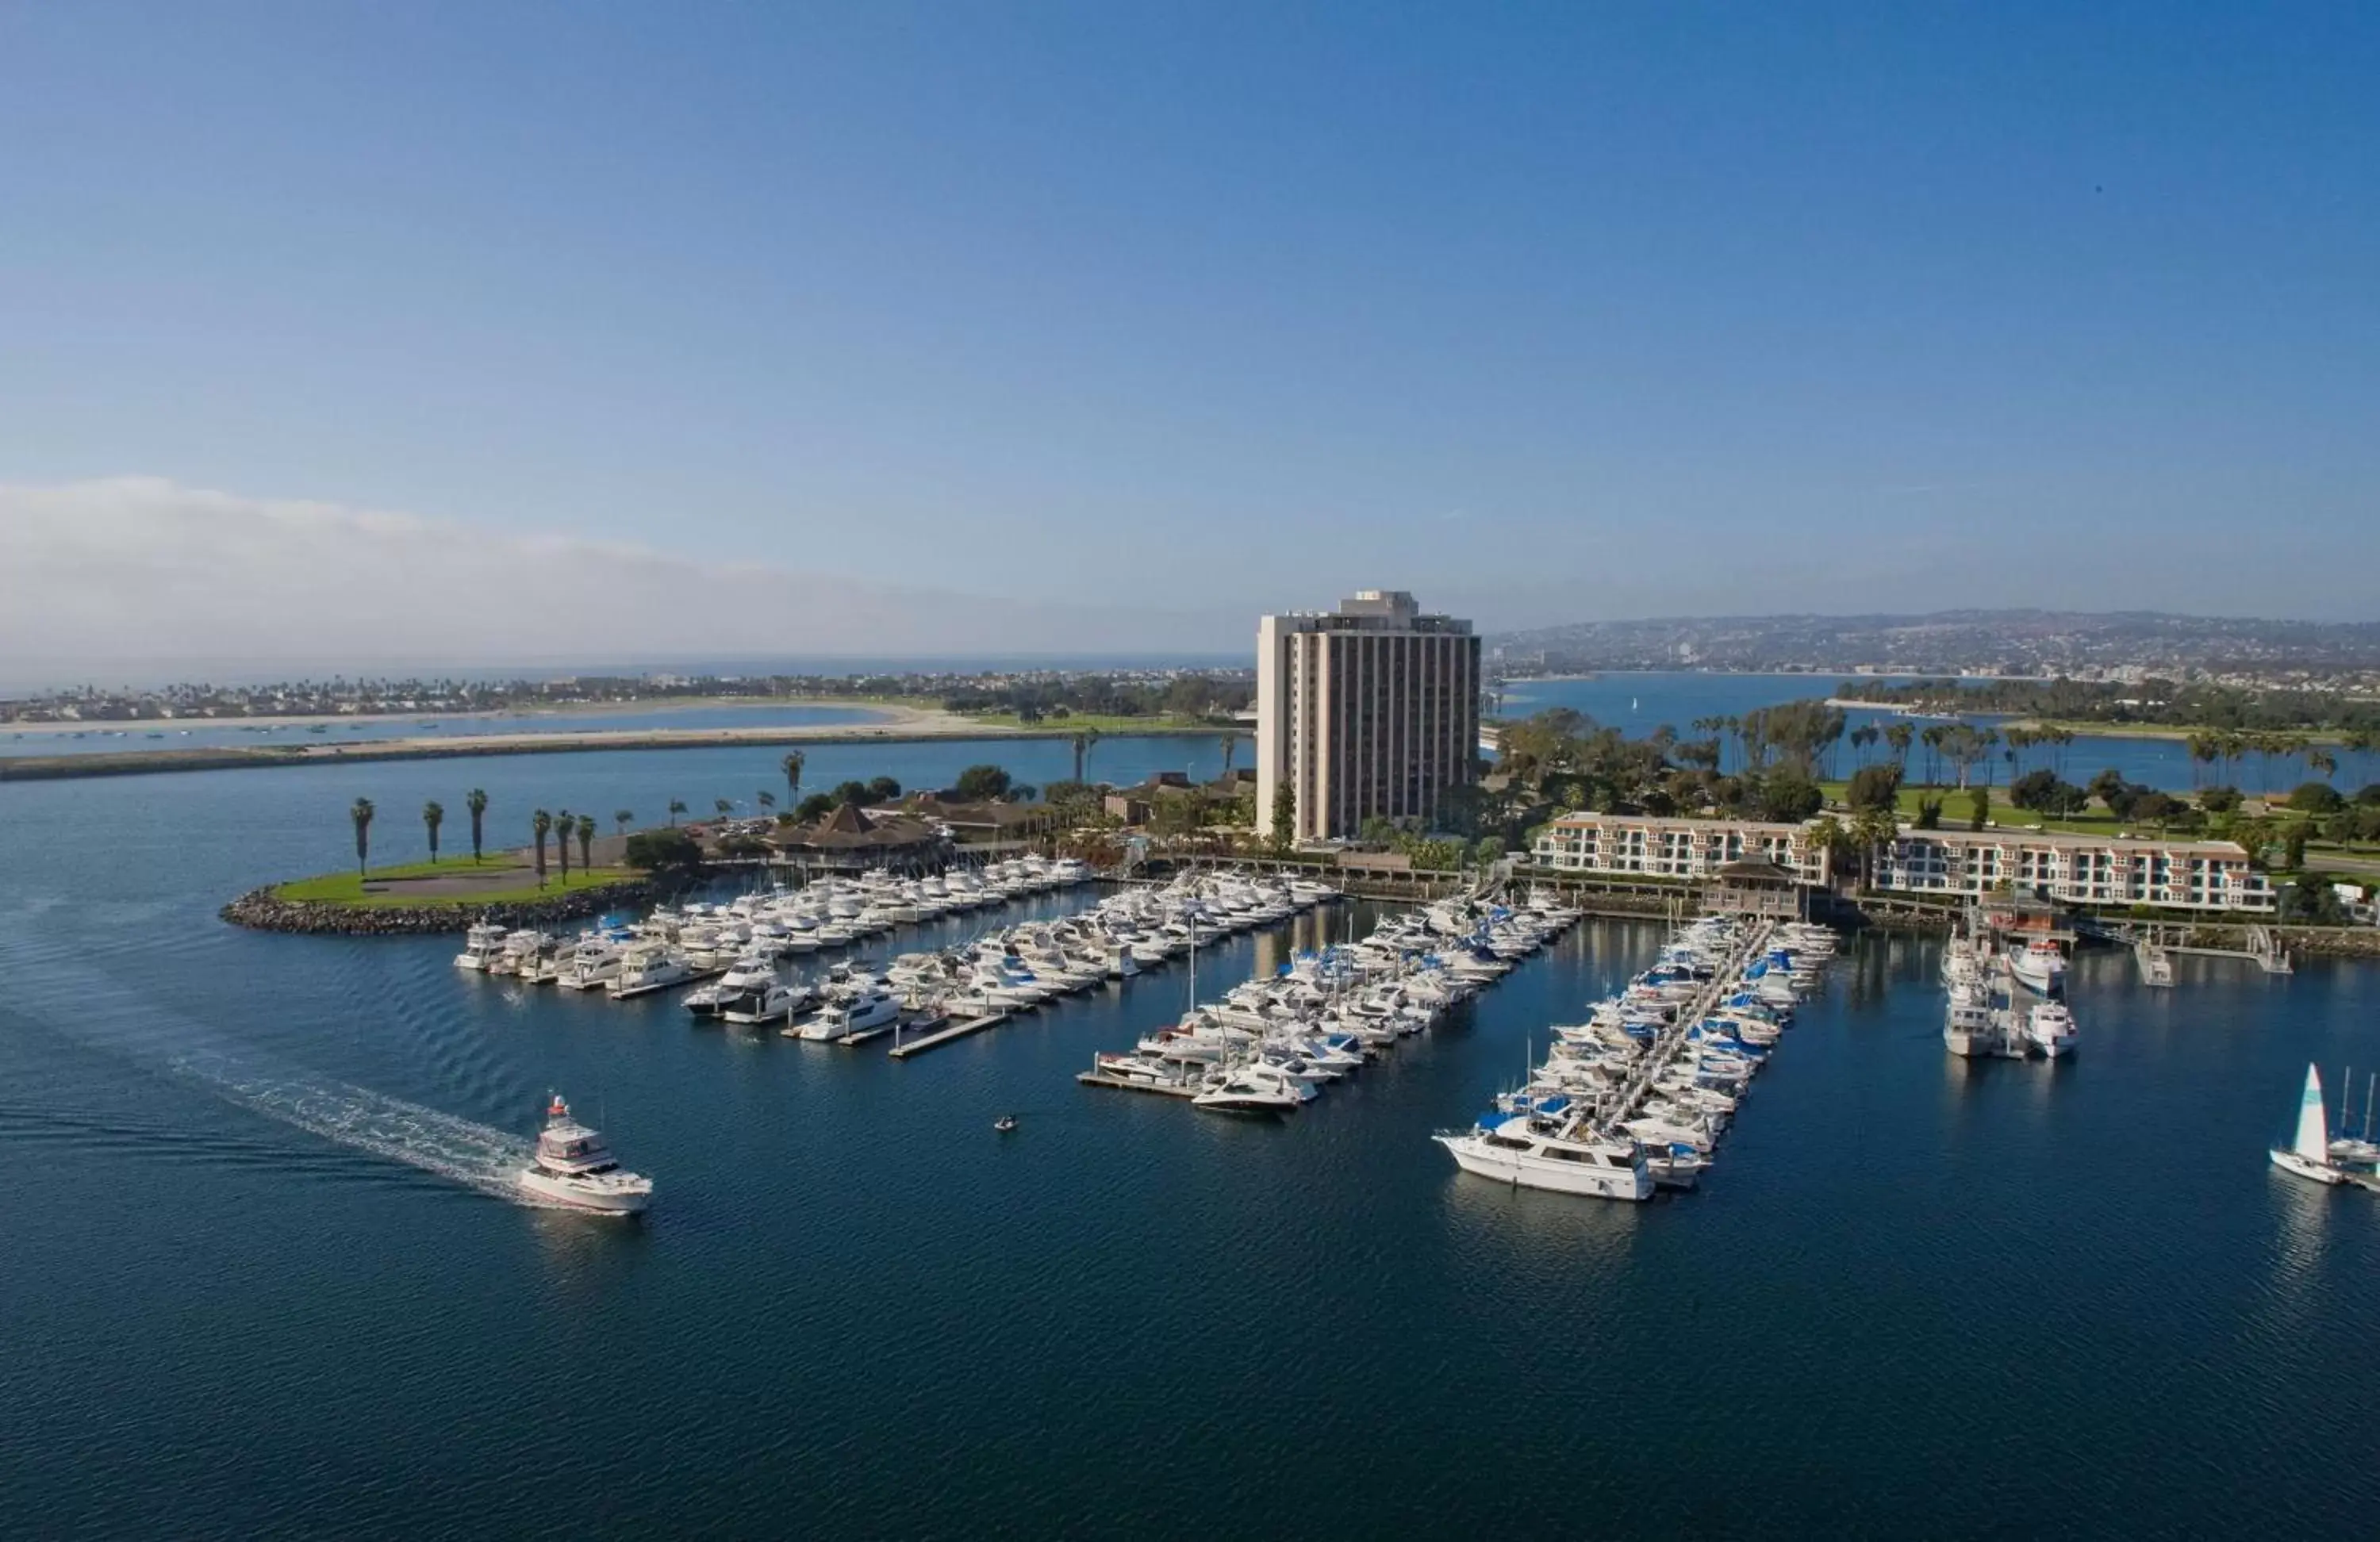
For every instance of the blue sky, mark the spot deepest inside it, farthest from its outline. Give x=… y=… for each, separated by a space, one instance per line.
x=1546 y=312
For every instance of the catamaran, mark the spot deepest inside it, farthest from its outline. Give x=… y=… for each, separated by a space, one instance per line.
x=2309 y=1154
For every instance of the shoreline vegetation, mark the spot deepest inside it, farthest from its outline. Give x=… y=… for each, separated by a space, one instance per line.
x=2155 y=707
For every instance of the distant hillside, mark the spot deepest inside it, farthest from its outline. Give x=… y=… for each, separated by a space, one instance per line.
x=1949 y=642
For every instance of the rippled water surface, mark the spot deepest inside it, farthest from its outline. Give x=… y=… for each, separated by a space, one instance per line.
x=256 y=1281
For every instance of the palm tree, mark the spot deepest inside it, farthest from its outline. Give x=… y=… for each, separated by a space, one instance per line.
x=678 y=807
x=1897 y=736
x=792 y=762
x=623 y=818
x=767 y=799
x=432 y=815
x=478 y=803
x=562 y=848
x=586 y=842
x=1083 y=743
x=362 y=816
x=541 y=824
x=1231 y=744
x=723 y=805
x=2322 y=762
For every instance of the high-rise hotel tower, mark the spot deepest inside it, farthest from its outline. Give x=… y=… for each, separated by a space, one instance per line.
x=1369 y=709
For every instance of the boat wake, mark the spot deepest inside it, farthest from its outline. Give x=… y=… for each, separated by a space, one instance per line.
x=97 y=1012
x=479 y=1156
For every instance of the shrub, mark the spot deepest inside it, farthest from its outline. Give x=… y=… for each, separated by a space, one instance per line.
x=2316 y=797
x=1876 y=786
x=663 y=851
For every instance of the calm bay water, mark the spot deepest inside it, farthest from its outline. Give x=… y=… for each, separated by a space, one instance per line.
x=1918 y=1297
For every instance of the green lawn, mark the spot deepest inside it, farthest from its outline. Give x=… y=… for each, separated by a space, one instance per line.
x=508 y=882
x=1957 y=810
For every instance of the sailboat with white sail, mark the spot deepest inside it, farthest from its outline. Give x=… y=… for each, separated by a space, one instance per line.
x=2308 y=1156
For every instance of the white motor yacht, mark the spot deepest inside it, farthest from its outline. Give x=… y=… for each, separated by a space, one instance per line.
x=1968 y=1030
x=2040 y=966
x=574 y=1167
x=594 y=962
x=1251 y=1088
x=868 y=1007
x=1569 y=1160
x=482 y=946
x=772 y=1003
x=2050 y=1027
x=649 y=966
x=2309 y=1154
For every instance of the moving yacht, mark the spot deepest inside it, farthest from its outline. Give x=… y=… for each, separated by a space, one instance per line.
x=574 y=1167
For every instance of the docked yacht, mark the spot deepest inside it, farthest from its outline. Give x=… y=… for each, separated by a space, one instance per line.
x=2050 y=1028
x=858 y=1011
x=2309 y=1154
x=649 y=966
x=482 y=946
x=2040 y=966
x=1567 y=1160
x=1253 y=1087
x=775 y=1001
x=574 y=1167
x=1968 y=1030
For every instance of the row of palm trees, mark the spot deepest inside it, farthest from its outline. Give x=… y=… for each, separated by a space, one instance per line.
x=541 y=825
x=2221 y=748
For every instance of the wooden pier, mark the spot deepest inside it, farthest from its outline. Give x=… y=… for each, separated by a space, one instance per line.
x=960 y=1029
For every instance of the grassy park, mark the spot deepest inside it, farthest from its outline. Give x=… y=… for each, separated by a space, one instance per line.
x=510 y=878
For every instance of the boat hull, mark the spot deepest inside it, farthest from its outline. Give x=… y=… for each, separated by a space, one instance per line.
x=1524 y=1171
x=2302 y=1167
x=553 y=1191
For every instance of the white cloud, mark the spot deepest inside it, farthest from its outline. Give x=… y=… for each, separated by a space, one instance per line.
x=140 y=568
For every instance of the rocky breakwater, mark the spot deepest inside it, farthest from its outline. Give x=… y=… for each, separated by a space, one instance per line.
x=264 y=910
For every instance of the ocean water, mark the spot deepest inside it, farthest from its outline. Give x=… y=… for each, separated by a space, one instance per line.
x=259 y=1280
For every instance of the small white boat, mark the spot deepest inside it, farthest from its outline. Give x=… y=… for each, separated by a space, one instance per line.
x=649 y=966
x=2050 y=1027
x=2309 y=1154
x=574 y=1167
x=1967 y=1032
x=2040 y=966
x=1253 y=1088
x=482 y=946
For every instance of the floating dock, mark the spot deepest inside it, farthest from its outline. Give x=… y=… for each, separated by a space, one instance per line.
x=1122 y=1084
x=935 y=1040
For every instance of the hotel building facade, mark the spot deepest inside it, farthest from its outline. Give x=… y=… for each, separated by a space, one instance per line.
x=2206 y=876
x=2077 y=870
x=1369 y=711
x=1640 y=843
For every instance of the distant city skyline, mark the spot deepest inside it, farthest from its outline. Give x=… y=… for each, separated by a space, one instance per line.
x=446 y=334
